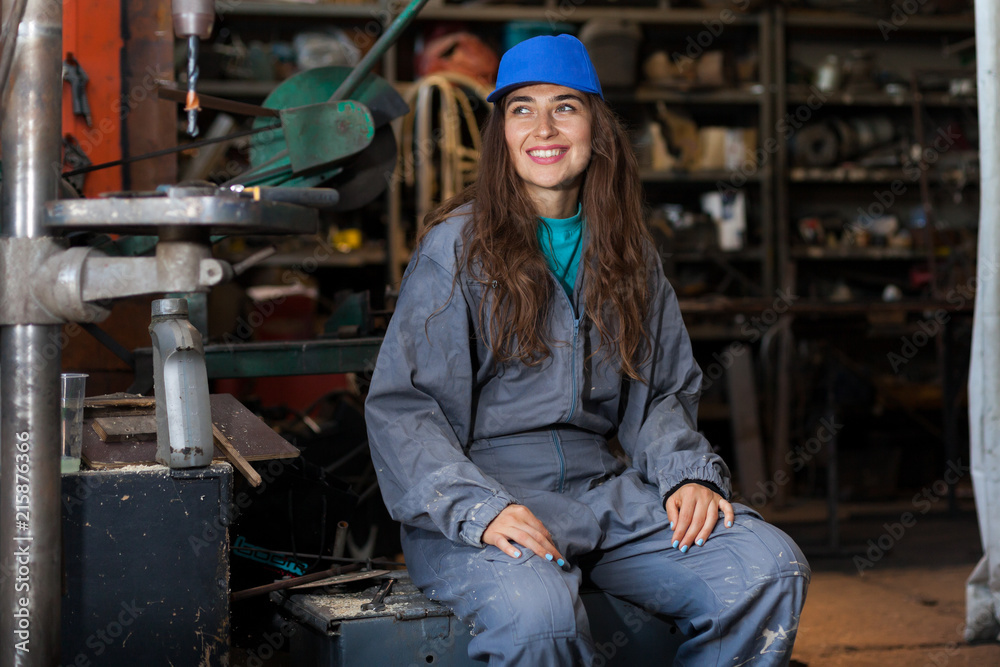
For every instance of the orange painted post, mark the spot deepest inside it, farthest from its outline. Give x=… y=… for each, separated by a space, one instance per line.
x=92 y=34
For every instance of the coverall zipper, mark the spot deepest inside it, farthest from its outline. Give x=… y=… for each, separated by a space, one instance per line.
x=572 y=405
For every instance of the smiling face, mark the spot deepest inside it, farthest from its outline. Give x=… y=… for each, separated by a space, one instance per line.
x=547 y=128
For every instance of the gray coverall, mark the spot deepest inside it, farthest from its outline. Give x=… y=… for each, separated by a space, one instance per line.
x=456 y=437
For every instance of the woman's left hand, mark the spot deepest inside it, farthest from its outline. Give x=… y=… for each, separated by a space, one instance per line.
x=693 y=510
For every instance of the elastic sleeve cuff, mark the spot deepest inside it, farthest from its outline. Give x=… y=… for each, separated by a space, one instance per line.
x=480 y=516
x=706 y=476
x=708 y=485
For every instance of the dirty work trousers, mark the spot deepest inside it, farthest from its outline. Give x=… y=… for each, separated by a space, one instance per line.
x=737 y=599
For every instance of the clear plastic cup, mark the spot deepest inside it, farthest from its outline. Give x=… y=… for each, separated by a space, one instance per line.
x=73 y=390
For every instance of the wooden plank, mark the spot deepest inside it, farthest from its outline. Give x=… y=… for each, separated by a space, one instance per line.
x=251 y=437
x=119 y=429
x=234 y=457
x=99 y=402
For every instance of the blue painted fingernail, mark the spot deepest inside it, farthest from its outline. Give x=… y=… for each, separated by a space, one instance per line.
x=517 y=554
x=699 y=541
x=676 y=542
x=684 y=549
x=671 y=525
x=548 y=556
x=729 y=524
x=560 y=562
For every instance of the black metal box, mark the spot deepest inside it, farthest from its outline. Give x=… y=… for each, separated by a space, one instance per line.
x=146 y=554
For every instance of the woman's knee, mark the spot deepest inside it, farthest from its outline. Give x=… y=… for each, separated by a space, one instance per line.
x=768 y=552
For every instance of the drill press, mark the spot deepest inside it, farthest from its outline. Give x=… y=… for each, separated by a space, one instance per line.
x=193 y=20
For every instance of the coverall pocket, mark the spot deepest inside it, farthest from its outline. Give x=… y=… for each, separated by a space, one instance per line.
x=540 y=599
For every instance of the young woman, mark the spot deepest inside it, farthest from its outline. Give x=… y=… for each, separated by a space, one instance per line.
x=535 y=324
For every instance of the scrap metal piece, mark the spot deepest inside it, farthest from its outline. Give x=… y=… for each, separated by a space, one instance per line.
x=320 y=135
x=315 y=87
x=338 y=579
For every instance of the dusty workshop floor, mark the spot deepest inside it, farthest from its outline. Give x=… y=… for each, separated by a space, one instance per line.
x=904 y=609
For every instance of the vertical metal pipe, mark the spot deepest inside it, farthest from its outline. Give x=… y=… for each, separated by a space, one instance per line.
x=983 y=588
x=30 y=357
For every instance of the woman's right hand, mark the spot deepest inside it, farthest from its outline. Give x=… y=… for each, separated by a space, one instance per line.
x=516 y=523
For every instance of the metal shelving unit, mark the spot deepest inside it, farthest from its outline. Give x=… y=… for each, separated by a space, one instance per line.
x=801 y=188
x=815 y=26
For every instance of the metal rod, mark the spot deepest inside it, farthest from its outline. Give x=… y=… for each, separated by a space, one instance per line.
x=340 y=540
x=388 y=38
x=295 y=581
x=173 y=149
x=30 y=357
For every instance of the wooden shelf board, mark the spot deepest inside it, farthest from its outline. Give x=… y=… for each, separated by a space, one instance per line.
x=292 y=9
x=752 y=94
x=861 y=176
x=575 y=13
x=815 y=307
x=798 y=95
x=854 y=254
x=436 y=10
x=672 y=176
x=913 y=23
x=747 y=255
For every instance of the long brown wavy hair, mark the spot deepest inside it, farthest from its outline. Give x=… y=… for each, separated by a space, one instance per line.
x=502 y=252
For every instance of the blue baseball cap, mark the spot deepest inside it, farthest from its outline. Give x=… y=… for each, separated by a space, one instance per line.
x=562 y=60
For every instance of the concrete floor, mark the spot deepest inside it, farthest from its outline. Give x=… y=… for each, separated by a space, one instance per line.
x=907 y=607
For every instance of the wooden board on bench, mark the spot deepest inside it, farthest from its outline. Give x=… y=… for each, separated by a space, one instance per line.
x=251 y=437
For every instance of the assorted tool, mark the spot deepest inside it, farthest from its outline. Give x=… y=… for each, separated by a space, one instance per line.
x=378 y=602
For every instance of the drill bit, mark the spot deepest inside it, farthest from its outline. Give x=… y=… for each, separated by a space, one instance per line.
x=192 y=105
